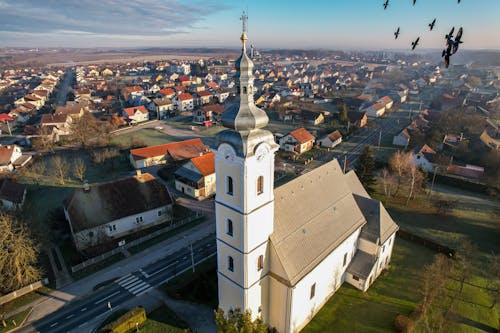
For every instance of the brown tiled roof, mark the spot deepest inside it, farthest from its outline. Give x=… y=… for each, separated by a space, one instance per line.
x=12 y=191
x=302 y=135
x=133 y=89
x=205 y=163
x=6 y=154
x=167 y=92
x=54 y=118
x=111 y=201
x=131 y=111
x=177 y=150
x=204 y=93
x=185 y=97
x=217 y=108
x=334 y=136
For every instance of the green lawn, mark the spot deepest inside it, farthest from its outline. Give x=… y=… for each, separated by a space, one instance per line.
x=163 y=320
x=395 y=291
x=149 y=136
x=14 y=321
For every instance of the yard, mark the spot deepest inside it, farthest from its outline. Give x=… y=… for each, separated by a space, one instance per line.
x=163 y=320
x=148 y=136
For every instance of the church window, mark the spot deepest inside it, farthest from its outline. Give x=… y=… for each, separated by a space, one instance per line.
x=260 y=185
x=244 y=89
x=159 y=213
x=355 y=278
x=230 y=227
x=229 y=185
x=230 y=263
x=260 y=262
x=383 y=248
x=345 y=259
x=313 y=291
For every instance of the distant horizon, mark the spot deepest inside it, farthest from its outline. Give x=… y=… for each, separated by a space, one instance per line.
x=332 y=25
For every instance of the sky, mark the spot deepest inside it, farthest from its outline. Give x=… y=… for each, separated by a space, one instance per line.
x=313 y=24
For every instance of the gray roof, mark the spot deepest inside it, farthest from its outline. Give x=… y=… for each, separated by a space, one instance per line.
x=313 y=215
x=111 y=201
x=379 y=226
x=188 y=174
x=361 y=264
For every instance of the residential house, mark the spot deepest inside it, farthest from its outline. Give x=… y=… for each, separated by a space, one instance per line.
x=467 y=171
x=298 y=141
x=490 y=139
x=12 y=194
x=163 y=107
x=424 y=157
x=8 y=157
x=208 y=114
x=167 y=93
x=402 y=139
x=196 y=178
x=133 y=94
x=331 y=140
x=136 y=114
x=204 y=97
x=118 y=208
x=184 y=102
x=357 y=119
x=222 y=95
x=312 y=117
x=169 y=152
x=375 y=110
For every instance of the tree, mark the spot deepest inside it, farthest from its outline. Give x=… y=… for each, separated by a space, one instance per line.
x=85 y=129
x=45 y=141
x=236 y=321
x=60 y=168
x=343 y=113
x=37 y=170
x=366 y=168
x=79 y=169
x=18 y=255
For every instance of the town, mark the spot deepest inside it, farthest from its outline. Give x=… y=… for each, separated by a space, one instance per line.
x=110 y=197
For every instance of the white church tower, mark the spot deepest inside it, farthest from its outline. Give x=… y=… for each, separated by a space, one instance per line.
x=244 y=166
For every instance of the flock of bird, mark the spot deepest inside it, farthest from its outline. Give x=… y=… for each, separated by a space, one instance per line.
x=451 y=44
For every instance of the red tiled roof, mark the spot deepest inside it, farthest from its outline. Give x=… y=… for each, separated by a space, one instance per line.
x=385 y=100
x=302 y=135
x=133 y=89
x=167 y=92
x=6 y=154
x=131 y=111
x=205 y=163
x=185 y=97
x=5 y=117
x=54 y=118
x=217 y=108
x=335 y=136
x=212 y=85
x=177 y=150
x=204 y=93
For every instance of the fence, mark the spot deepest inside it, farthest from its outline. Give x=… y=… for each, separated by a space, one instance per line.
x=449 y=252
x=135 y=242
x=23 y=291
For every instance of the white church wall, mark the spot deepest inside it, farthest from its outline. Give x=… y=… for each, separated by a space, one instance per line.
x=326 y=278
x=367 y=246
x=279 y=299
x=253 y=169
x=385 y=254
x=230 y=294
x=258 y=297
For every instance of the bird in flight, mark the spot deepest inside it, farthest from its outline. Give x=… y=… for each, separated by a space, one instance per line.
x=414 y=2
x=431 y=25
x=386 y=3
x=451 y=45
x=396 y=34
x=415 y=43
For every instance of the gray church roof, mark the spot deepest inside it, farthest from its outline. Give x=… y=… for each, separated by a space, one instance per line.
x=313 y=215
x=362 y=264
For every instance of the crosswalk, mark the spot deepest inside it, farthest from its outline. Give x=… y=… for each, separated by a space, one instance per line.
x=134 y=285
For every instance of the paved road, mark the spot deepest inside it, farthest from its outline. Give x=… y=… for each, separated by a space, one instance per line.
x=63 y=91
x=94 y=306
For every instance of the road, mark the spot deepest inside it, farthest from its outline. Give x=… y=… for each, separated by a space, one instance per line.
x=63 y=90
x=95 y=306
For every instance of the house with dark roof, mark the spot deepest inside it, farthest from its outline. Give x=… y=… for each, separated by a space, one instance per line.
x=104 y=213
x=170 y=152
x=357 y=119
x=298 y=141
x=208 y=113
x=424 y=157
x=196 y=177
x=12 y=194
x=402 y=139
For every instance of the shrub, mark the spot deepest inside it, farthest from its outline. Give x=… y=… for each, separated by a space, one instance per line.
x=404 y=324
x=126 y=322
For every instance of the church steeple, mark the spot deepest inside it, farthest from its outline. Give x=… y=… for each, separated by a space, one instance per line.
x=244 y=116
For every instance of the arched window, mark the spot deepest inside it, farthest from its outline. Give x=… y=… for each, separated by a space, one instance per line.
x=244 y=89
x=229 y=185
x=260 y=185
x=230 y=263
x=260 y=263
x=229 y=227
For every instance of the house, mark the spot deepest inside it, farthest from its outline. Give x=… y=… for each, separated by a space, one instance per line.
x=424 y=157
x=118 y=208
x=136 y=114
x=184 y=102
x=375 y=110
x=196 y=178
x=312 y=117
x=331 y=140
x=357 y=119
x=204 y=97
x=167 y=93
x=467 y=171
x=283 y=252
x=10 y=156
x=133 y=94
x=298 y=141
x=162 y=154
x=222 y=95
x=402 y=139
x=386 y=101
x=12 y=194
x=163 y=107
x=61 y=122
x=490 y=139
x=208 y=114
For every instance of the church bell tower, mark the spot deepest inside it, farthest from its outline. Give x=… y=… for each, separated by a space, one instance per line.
x=244 y=166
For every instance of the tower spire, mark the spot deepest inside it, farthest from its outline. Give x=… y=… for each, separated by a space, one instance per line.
x=244 y=22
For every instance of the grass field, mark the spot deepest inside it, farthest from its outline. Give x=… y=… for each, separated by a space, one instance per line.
x=149 y=136
x=163 y=320
x=14 y=321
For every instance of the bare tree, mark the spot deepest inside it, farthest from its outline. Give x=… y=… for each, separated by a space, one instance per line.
x=79 y=169
x=46 y=140
x=415 y=178
x=85 y=129
x=18 y=255
x=60 y=168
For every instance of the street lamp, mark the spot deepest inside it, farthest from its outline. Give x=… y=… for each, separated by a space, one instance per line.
x=433 y=179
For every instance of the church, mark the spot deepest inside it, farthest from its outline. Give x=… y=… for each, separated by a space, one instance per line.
x=283 y=252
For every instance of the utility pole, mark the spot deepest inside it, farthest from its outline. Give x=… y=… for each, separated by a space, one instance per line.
x=379 y=137
x=433 y=179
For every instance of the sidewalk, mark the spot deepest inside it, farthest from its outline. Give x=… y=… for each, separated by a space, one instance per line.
x=79 y=288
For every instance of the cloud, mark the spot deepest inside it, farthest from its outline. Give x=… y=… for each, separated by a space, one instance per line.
x=104 y=17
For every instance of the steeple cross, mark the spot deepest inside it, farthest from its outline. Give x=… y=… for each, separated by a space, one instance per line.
x=244 y=19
